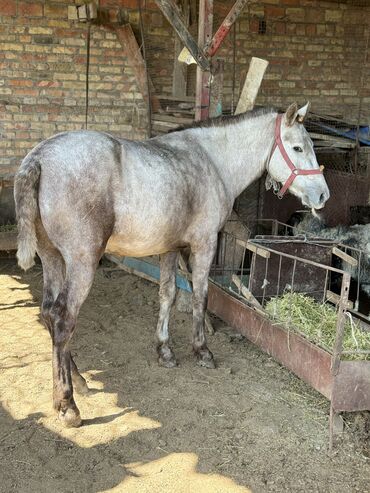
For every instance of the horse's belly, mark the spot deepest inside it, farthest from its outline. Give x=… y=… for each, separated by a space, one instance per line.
x=123 y=246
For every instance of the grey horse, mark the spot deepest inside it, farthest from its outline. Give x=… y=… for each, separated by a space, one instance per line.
x=77 y=190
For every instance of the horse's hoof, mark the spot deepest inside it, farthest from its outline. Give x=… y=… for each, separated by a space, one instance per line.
x=167 y=362
x=70 y=418
x=80 y=386
x=205 y=359
x=166 y=357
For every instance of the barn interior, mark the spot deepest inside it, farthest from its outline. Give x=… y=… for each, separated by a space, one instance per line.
x=138 y=69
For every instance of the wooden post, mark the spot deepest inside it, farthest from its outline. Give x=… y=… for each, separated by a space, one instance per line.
x=205 y=25
x=215 y=102
x=171 y=12
x=252 y=84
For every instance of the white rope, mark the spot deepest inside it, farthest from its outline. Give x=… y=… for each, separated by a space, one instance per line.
x=349 y=315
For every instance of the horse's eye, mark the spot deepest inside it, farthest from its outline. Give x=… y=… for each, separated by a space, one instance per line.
x=298 y=149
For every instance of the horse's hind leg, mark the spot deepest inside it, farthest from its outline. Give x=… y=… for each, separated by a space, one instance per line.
x=202 y=262
x=167 y=292
x=63 y=315
x=53 y=274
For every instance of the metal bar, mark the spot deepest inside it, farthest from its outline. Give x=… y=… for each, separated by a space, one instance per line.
x=337 y=349
x=225 y=27
x=202 y=89
x=173 y=15
x=303 y=260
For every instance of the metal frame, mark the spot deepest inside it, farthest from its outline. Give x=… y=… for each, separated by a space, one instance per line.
x=345 y=383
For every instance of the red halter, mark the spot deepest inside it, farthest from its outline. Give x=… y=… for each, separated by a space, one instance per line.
x=294 y=171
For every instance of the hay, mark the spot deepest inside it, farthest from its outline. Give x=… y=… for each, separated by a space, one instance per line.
x=7 y=227
x=317 y=322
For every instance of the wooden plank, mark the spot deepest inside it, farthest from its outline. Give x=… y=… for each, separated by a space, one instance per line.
x=179 y=120
x=146 y=270
x=171 y=12
x=335 y=298
x=344 y=256
x=131 y=49
x=252 y=84
x=254 y=248
x=246 y=293
x=225 y=27
x=202 y=88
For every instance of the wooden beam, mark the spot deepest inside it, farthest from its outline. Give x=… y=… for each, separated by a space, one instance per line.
x=202 y=90
x=131 y=49
x=225 y=27
x=344 y=256
x=180 y=70
x=171 y=12
x=246 y=293
x=215 y=100
x=252 y=84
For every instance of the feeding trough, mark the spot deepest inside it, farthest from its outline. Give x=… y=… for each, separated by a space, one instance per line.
x=345 y=382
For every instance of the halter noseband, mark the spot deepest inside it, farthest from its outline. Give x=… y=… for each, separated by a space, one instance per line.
x=294 y=171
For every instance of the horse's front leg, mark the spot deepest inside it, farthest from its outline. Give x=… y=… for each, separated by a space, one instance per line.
x=167 y=292
x=201 y=266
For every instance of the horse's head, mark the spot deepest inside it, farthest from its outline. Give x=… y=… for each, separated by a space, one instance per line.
x=293 y=162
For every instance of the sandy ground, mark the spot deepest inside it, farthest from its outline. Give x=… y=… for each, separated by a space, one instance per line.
x=249 y=425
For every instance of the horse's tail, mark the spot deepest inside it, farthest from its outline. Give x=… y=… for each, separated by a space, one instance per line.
x=26 y=186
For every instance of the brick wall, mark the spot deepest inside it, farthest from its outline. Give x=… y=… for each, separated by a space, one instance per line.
x=42 y=78
x=317 y=51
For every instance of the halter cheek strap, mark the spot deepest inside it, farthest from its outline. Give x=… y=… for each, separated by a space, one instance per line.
x=278 y=143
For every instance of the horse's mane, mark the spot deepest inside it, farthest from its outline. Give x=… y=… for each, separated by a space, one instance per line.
x=224 y=120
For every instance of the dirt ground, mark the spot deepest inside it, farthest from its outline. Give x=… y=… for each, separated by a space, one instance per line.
x=249 y=425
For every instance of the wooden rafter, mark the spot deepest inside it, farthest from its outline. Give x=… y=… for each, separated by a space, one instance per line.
x=173 y=15
x=225 y=27
x=202 y=89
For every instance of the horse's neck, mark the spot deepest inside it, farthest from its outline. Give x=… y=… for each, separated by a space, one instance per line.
x=240 y=150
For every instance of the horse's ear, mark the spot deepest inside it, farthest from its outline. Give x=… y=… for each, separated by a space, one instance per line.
x=291 y=114
x=303 y=112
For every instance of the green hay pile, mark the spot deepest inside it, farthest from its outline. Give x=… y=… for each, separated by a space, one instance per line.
x=317 y=322
x=7 y=227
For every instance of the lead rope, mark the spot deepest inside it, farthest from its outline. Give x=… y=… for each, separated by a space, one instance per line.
x=272 y=150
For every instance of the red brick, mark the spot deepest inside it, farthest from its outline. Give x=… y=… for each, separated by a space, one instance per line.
x=271 y=11
x=254 y=25
x=30 y=9
x=280 y=27
x=48 y=83
x=8 y=7
x=19 y=91
x=21 y=83
x=310 y=29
